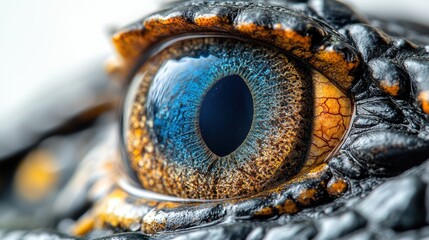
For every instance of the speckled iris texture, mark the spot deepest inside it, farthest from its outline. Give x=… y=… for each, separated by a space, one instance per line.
x=169 y=101
x=179 y=87
x=389 y=133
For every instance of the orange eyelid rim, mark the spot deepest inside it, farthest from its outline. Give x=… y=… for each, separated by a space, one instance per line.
x=334 y=59
x=120 y=210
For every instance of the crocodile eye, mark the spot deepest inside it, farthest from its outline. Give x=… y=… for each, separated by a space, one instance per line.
x=232 y=112
x=220 y=117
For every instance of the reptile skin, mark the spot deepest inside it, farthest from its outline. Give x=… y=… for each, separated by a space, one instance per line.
x=382 y=159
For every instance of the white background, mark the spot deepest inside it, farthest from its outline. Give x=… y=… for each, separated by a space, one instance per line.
x=41 y=40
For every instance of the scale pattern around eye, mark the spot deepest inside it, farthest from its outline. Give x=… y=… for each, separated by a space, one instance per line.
x=330 y=55
x=215 y=117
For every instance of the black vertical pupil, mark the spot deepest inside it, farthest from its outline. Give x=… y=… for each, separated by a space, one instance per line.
x=226 y=115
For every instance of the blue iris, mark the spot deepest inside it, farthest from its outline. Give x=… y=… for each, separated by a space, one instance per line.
x=212 y=105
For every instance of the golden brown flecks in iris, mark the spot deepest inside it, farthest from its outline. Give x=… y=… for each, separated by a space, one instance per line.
x=423 y=98
x=336 y=187
x=390 y=88
x=333 y=111
x=158 y=174
x=37 y=176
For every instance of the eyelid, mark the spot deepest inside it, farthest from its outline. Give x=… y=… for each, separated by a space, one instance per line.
x=299 y=35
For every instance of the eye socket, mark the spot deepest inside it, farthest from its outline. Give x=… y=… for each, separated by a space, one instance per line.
x=220 y=117
x=313 y=53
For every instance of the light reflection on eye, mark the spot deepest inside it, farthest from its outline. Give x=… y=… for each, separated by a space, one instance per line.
x=219 y=117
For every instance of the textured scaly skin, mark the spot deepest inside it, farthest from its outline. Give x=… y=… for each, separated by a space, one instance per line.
x=389 y=135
